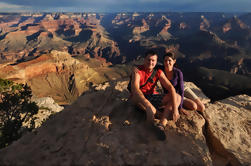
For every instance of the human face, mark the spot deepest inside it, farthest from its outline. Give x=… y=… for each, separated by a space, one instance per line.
x=150 y=62
x=168 y=63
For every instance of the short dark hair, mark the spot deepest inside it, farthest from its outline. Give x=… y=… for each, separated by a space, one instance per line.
x=171 y=55
x=150 y=52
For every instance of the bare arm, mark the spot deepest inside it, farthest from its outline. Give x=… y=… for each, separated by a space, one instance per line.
x=139 y=98
x=167 y=85
x=135 y=88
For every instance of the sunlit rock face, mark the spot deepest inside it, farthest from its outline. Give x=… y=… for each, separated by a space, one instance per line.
x=46 y=108
x=103 y=128
x=229 y=129
x=23 y=36
x=59 y=75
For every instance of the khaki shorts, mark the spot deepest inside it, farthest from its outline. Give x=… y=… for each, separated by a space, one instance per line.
x=188 y=93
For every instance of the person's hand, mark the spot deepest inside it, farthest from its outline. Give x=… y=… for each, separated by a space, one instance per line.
x=163 y=122
x=150 y=112
x=176 y=116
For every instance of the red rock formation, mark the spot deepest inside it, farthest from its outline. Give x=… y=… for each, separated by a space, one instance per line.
x=205 y=24
x=39 y=70
x=87 y=56
x=241 y=24
x=5 y=69
x=51 y=26
x=6 y=26
x=164 y=32
x=32 y=29
x=39 y=59
x=141 y=29
x=233 y=23
x=44 y=34
x=28 y=21
x=183 y=25
x=227 y=27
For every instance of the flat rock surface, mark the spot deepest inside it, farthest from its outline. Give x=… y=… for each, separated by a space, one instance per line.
x=101 y=128
x=229 y=128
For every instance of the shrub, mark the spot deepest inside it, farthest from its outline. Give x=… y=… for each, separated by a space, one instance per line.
x=15 y=108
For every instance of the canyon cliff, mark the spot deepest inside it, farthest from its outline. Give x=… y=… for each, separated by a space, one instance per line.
x=219 y=41
x=58 y=75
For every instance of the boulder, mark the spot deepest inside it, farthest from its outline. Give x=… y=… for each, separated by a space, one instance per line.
x=229 y=129
x=47 y=107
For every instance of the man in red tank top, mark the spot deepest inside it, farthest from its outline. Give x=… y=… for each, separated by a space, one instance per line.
x=145 y=97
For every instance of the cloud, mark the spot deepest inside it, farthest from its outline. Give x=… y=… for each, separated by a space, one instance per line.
x=55 y=3
x=5 y=7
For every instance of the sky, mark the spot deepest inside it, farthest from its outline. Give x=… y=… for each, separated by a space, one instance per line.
x=125 y=5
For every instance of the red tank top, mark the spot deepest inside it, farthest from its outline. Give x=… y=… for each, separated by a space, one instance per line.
x=149 y=88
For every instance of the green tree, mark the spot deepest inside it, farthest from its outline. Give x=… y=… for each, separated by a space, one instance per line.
x=16 y=107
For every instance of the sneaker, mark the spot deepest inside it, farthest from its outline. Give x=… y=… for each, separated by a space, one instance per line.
x=159 y=131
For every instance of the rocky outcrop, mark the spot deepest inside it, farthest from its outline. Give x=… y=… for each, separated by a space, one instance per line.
x=48 y=102
x=164 y=32
x=233 y=24
x=103 y=128
x=183 y=25
x=47 y=75
x=90 y=132
x=229 y=129
x=6 y=25
x=59 y=75
x=240 y=68
x=205 y=24
x=31 y=36
x=47 y=107
x=226 y=27
x=236 y=32
x=141 y=29
x=29 y=20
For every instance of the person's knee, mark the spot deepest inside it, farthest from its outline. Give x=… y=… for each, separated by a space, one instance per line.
x=200 y=105
x=194 y=106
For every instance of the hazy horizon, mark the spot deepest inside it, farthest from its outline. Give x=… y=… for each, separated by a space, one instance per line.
x=114 y=6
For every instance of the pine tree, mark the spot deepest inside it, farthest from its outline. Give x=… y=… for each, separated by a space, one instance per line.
x=16 y=107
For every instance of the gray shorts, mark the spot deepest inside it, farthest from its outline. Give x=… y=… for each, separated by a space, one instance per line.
x=188 y=93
